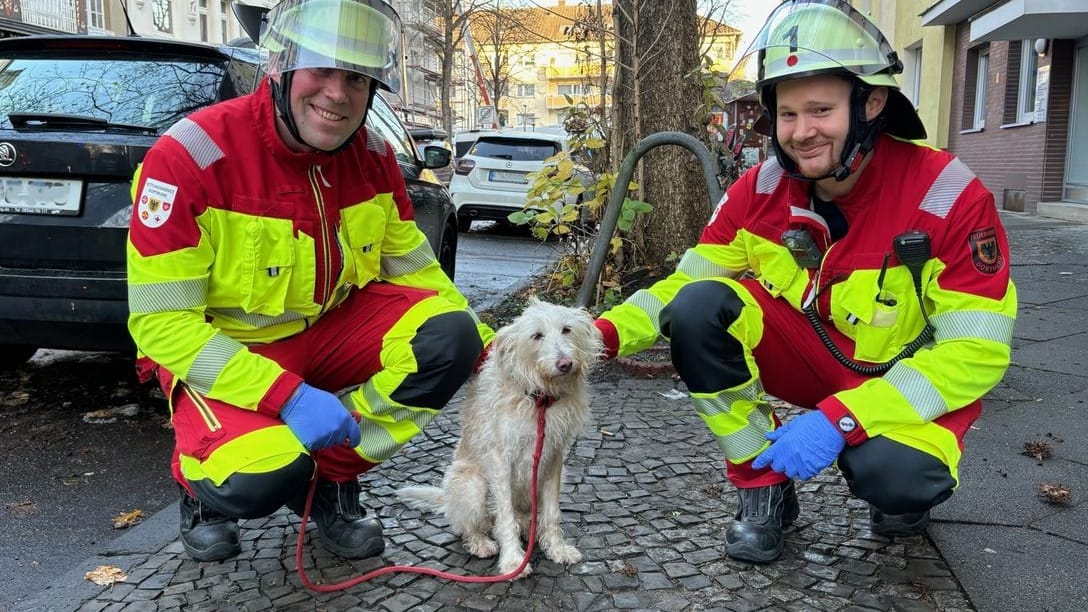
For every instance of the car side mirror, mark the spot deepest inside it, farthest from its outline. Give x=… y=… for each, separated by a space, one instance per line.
x=435 y=157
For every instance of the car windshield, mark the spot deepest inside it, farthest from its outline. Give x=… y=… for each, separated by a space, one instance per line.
x=515 y=149
x=148 y=93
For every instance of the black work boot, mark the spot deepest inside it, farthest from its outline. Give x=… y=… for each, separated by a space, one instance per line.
x=343 y=526
x=206 y=534
x=897 y=525
x=756 y=534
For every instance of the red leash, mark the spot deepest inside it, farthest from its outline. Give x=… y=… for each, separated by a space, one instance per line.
x=542 y=403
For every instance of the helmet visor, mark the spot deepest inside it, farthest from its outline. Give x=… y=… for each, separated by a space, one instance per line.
x=806 y=37
x=362 y=36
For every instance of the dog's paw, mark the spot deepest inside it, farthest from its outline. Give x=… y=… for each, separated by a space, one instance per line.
x=481 y=546
x=509 y=566
x=564 y=554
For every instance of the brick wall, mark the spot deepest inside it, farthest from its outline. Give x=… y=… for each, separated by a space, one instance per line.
x=1011 y=159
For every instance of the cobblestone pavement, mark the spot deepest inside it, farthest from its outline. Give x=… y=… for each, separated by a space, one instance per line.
x=645 y=500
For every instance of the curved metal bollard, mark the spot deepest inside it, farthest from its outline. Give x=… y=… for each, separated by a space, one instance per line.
x=615 y=199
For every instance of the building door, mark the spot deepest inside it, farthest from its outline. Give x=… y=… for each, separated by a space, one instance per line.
x=1076 y=164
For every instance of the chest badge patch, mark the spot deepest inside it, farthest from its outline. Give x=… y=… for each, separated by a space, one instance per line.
x=156 y=202
x=985 y=251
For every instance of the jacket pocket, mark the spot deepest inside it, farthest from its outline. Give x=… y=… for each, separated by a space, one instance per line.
x=774 y=266
x=268 y=265
x=364 y=230
x=879 y=327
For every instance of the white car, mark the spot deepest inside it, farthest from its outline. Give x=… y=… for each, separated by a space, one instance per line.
x=491 y=181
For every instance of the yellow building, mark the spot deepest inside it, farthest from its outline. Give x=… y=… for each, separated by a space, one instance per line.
x=551 y=53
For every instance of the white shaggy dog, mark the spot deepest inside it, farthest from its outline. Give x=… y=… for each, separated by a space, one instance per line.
x=545 y=353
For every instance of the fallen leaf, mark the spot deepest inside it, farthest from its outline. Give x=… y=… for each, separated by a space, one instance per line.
x=16 y=398
x=1038 y=449
x=23 y=508
x=106 y=575
x=1055 y=493
x=128 y=519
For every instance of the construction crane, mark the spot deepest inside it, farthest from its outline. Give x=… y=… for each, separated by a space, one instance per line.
x=466 y=35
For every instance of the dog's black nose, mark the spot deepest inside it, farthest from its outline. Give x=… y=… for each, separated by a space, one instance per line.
x=564 y=365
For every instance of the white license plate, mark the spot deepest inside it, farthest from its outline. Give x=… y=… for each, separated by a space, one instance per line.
x=40 y=196
x=500 y=176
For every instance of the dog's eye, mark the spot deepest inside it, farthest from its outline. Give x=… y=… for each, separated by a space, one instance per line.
x=566 y=330
x=538 y=336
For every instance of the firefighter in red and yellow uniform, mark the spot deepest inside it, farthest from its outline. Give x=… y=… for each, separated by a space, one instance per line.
x=855 y=273
x=282 y=293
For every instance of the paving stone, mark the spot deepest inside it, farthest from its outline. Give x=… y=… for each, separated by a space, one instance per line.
x=646 y=505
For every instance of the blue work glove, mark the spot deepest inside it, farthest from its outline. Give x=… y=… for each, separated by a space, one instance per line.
x=318 y=419
x=802 y=447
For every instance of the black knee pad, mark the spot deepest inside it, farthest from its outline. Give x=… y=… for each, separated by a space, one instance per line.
x=244 y=495
x=894 y=477
x=696 y=321
x=446 y=348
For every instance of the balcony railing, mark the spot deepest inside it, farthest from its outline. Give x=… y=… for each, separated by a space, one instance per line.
x=54 y=14
x=590 y=100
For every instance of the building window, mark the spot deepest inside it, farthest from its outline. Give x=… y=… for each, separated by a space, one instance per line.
x=223 y=12
x=96 y=16
x=912 y=74
x=573 y=89
x=524 y=90
x=1029 y=75
x=160 y=15
x=202 y=16
x=974 y=94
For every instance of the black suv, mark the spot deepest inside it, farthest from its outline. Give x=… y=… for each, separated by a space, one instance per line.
x=77 y=114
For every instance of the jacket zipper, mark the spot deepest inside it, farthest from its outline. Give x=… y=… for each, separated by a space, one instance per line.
x=203 y=409
x=324 y=275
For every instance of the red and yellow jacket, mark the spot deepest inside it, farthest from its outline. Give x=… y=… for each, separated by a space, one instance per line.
x=967 y=291
x=235 y=240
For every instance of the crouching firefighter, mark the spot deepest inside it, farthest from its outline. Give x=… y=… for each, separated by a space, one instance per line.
x=855 y=273
x=281 y=292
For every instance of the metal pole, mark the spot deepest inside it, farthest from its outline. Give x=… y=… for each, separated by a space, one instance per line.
x=619 y=193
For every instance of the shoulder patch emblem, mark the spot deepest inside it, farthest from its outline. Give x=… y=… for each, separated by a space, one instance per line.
x=985 y=251
x=156 y=202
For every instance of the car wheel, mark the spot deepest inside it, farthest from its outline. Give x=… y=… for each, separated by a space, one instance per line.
x=463 y=223
x=447 y=250
x=14 y=355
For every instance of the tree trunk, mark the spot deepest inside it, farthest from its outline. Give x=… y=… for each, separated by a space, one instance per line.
x=658 y=97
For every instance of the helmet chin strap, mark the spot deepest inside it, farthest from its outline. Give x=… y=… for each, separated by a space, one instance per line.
x=859 y=140
x=281 y=96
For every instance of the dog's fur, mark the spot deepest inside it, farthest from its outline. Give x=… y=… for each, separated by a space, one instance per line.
x=547 y=350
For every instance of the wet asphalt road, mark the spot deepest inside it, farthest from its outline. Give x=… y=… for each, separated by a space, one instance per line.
x=81 y=442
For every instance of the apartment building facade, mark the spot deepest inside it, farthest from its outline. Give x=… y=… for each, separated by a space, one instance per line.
x=1003 y=84
x=553 y=60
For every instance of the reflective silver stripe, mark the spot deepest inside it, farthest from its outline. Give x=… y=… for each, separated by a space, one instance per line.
x=169 y=296
x=375 y=142
x=741 y=444
x=991 y=326
x=377 y=443
x=256 y=321
x=770 y=173
x=722 y=402
x=207 y=366
x=696 y=266
x=196 y=141
x=412 y=261
x=648 y=303
x=918 y=391
x=947 y=188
